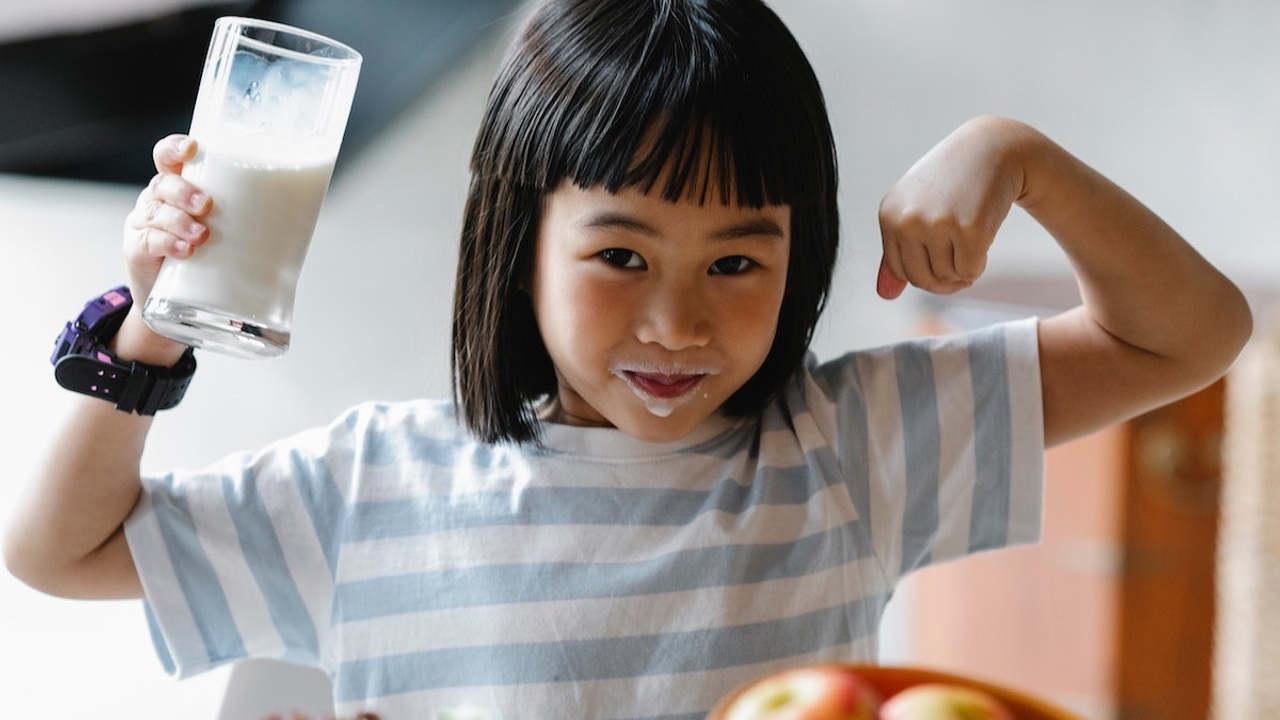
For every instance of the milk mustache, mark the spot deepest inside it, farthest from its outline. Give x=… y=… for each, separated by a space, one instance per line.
x=263 y=216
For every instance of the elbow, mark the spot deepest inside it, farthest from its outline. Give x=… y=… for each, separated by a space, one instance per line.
x=1211 y=345
x=106 y=573
x=16 y=561
x=1234 y=330
x=1219 y=341
x=25 y=563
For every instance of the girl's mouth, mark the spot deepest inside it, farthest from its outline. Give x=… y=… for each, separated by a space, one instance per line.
x=662 y=387
x=663 y=390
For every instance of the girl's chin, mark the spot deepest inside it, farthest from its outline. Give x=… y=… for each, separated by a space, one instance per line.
x=645 y=418
x=652 y=427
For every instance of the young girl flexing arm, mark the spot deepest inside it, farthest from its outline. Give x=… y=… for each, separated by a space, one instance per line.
x=647 y=491
x=1158 y=322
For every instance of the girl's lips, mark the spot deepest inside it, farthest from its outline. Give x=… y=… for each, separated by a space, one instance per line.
x=663 y=387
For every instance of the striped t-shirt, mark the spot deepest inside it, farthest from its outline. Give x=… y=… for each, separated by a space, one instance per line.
x=595 y=576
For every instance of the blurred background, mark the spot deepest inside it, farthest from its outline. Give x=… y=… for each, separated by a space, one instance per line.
x=1176 y=100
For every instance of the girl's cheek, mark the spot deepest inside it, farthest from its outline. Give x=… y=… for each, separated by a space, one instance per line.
x=585 y=299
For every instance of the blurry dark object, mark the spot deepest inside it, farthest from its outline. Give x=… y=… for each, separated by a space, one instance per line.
x=91 y=105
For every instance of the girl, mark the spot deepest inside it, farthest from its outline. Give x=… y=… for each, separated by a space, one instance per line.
x=646 y=491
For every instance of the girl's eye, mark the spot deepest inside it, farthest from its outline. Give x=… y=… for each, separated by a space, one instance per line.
x=734 y=265
x=627 y=259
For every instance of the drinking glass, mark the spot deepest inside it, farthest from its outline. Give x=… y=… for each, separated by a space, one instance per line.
x=269 y=118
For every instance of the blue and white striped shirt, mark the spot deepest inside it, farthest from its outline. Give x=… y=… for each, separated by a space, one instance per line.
x=596 y=576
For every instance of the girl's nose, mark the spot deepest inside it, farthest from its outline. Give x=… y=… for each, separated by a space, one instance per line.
x=675 y=317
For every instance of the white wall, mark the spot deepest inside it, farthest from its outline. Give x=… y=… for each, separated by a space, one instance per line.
x=1176 y=100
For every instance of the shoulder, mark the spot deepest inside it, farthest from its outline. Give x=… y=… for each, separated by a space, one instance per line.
x=430 y=417
x=994 y=369
x=368 y=430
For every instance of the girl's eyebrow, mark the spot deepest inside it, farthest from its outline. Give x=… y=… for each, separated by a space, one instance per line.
x=609 y=219
x=761 y=227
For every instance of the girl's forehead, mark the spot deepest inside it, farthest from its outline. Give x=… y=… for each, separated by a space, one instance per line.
x=597 y=206
x=643 y=192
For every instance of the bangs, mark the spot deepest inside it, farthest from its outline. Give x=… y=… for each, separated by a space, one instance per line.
x=655 y=96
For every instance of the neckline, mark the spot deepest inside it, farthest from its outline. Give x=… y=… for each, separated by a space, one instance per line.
x=611 y=443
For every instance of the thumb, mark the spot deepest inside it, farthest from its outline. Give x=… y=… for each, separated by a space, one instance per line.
x=888 y=285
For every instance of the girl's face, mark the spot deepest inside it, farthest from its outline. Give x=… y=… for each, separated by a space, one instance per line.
x=654 y=312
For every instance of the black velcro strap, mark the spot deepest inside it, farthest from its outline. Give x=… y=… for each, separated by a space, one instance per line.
x=136 y=387
x=99 y=378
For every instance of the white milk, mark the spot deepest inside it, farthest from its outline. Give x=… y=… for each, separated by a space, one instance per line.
x=259 y=229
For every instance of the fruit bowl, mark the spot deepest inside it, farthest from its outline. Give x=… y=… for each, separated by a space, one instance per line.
x=890 y=680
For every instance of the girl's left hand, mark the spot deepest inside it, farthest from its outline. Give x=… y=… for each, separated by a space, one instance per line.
x=938 y=222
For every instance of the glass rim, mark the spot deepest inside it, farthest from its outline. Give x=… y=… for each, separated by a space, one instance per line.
x=232 y=22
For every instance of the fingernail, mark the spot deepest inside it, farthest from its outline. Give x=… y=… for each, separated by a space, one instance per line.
x=181 y=247
x=198 y=200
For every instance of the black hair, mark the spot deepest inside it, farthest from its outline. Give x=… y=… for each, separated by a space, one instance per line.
x=675 y=96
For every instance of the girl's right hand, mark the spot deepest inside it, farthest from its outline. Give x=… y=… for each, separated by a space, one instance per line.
x=167 y=219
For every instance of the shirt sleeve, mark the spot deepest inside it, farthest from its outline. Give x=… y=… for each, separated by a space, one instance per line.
x=238 y=560
x=942 y=442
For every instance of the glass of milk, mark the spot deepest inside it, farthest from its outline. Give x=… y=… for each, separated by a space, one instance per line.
x=269 y=118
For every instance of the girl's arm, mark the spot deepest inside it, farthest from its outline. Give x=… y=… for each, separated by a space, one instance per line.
x=67 y=536
x=1157 y=323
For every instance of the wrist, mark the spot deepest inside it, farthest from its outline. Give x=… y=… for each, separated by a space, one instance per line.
x=148 y=378
x=137 y=342
x=1025 y=156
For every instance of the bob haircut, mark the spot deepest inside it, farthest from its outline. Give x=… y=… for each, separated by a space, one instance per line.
x=691 y=95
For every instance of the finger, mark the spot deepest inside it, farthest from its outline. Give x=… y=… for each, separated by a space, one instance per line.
x=153 y=242
x=891 y=260
x=177 y=191
x=170 y=153
x=162 y=205
x=970 y=264
x=941 y=254
x=916 y=268
x=922 y=273
x=171 y=220
x=160 y=230
x=891 y=278
x=888 y=285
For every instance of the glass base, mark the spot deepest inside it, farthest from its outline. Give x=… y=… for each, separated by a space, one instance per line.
x=210 y=330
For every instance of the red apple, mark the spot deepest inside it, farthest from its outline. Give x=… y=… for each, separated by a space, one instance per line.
x=944 y=701
x=819 y=692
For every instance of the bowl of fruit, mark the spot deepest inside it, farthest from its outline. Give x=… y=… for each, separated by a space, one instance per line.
x=840 y=691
